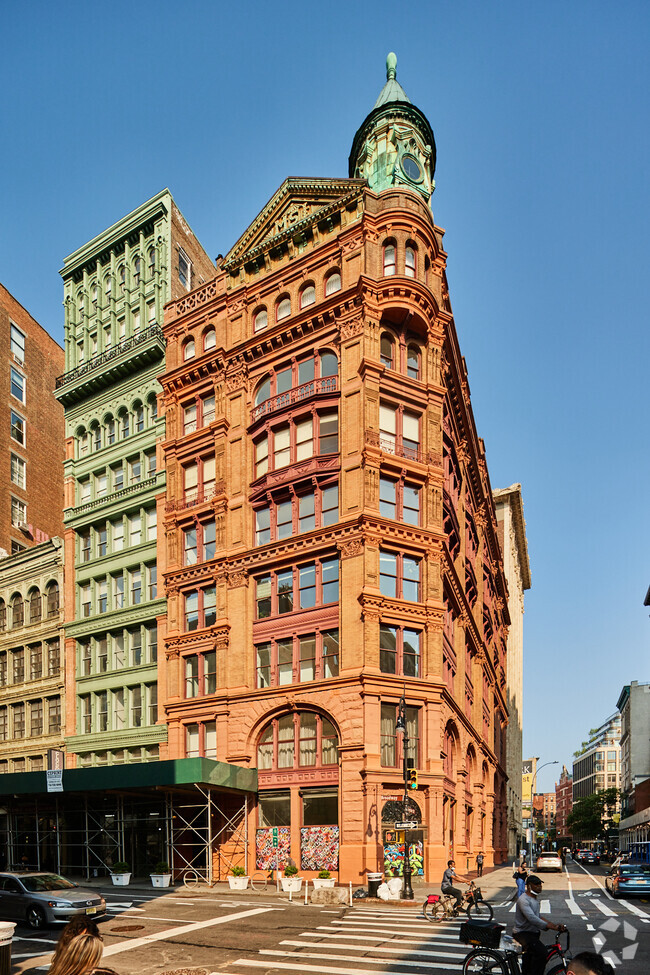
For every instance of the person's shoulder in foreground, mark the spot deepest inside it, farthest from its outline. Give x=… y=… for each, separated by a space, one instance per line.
x=589 y=963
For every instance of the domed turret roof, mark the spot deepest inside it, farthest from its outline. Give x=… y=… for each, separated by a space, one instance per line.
x=393 y=104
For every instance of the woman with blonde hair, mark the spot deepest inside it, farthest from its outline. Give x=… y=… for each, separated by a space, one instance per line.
x=79 y=955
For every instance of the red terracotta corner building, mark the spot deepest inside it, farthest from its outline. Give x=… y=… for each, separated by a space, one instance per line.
x=329 y=534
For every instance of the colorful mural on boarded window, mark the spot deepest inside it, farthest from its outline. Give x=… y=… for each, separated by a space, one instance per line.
x=319 y=848
x=266 y=855
x=394 y=856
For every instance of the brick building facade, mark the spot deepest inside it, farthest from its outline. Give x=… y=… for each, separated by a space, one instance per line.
x=31 y=431
x=329 y=539
x=563 y=802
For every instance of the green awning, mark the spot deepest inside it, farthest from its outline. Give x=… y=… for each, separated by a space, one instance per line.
x=182 y=772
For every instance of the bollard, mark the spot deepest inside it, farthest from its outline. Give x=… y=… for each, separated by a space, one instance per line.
x=306 y=886
x=6 y=935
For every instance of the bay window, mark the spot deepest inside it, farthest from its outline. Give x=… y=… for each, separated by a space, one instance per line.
x=300 y=587
x=297 y=658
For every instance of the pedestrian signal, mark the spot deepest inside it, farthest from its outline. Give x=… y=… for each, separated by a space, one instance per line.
x=412 y=778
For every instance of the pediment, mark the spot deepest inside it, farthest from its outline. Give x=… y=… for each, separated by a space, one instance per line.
x=297 y=204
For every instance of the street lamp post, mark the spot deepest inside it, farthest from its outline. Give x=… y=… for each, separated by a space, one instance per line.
x=532 y=803
x=400 y=729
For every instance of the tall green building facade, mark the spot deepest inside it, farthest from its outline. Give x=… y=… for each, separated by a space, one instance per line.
x=115 y=289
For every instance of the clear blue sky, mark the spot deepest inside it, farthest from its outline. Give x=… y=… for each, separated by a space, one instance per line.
x=540 y=113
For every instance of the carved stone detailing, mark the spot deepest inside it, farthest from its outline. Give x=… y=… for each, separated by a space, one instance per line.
x=372 y=486
x=196 y=298
x=236 y=377
x=353 y=244
x=237 y=578
x=352 y=327
x=351 y=548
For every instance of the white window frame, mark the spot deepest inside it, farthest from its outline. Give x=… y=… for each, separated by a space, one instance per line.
x=17 y=379
x=17 y=343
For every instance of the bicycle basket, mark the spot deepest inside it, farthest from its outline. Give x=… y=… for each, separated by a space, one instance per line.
x=487 y=934
x=433 y=899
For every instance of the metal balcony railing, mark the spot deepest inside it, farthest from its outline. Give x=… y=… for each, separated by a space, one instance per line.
x=315 y=387
x=154 y=331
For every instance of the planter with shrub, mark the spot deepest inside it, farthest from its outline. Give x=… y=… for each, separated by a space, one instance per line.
x=120 y=874
x=161 y=875
x=238 y=879
x=291 y=883
x=324 y=879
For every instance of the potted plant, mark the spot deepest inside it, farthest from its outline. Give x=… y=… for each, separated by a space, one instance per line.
x=238 y=879
x=291 y=883
x=120 y=873
x=324 y=879
x=161 y=874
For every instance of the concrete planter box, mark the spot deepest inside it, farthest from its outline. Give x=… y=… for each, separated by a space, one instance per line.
x=160 y=879
x=121 y=879
x=320 y=882
x=238 y=883
x=291 y=885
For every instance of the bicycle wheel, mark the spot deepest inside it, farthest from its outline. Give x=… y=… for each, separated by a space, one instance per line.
x=191 y=879
x=485 y=961
x=259 y=880
x=480 y=911
x=432 y=912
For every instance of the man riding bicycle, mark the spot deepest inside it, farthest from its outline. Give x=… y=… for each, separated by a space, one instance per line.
x=528 y=927
x=447 y=885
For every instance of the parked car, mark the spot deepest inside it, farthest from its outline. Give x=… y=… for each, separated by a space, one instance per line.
x=549 y=860
x=628 y=878
x=46 y=898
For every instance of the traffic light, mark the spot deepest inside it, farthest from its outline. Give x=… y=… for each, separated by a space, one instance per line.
x=412 y=778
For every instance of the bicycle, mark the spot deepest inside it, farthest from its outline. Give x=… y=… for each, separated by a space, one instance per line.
x=437 y=907
x=504 y=958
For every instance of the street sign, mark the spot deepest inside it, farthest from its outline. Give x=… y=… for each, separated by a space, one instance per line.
x=274 y=834
x=406 y=825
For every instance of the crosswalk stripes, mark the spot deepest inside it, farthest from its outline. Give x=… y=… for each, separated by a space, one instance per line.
x=375 y=940
x=380 y=940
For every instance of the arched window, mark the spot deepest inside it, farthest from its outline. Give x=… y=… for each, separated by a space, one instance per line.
x=449 y=749
x=189 y=350
x=389 y=259
x=295 y=741
x=387 y=350
x=121 y=277
x=108 y=288
x=138 y=417
x=152 y=261
x=333 y=283
x=109 y=424
x=125 y=424
x=152 y=403
x=34 y=605
x=83 y=442
x=52 y=598
x=17 y=610
x=80 y=308
x=209 y=339
x=93 y=293
x=96 y=436
x=3 y=615
x=410 y=261
x=263 y=391
x=413 y=362
x=329 y=364
x=261 y=320
x=307 y=296
x=136 y=271
x=283 y=309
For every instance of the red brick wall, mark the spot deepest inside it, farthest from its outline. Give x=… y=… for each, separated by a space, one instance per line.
x=43 y=449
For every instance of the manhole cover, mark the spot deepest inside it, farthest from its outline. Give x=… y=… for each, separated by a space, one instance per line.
x=126 y=927
x=187 y=971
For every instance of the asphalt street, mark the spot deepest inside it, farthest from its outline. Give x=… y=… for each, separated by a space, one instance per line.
x=179 y=932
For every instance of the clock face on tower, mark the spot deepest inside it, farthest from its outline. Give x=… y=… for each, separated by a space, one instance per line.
x=411 y=168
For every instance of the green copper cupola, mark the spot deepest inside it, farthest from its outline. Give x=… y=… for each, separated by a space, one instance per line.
x=394 y=145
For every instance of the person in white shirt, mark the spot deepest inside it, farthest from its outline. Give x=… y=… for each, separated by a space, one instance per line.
x=529 y=925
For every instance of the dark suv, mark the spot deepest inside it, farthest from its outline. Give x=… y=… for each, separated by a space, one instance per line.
x=588 y=856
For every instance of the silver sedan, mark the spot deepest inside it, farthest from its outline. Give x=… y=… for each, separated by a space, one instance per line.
x=46 y=898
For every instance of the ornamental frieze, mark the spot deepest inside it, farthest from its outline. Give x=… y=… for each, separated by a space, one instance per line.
x=237 y=579
x=351 y=328
x=196 y=298
x=351 y=548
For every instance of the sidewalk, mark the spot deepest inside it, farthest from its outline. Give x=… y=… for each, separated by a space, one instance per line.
x=494 y=880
